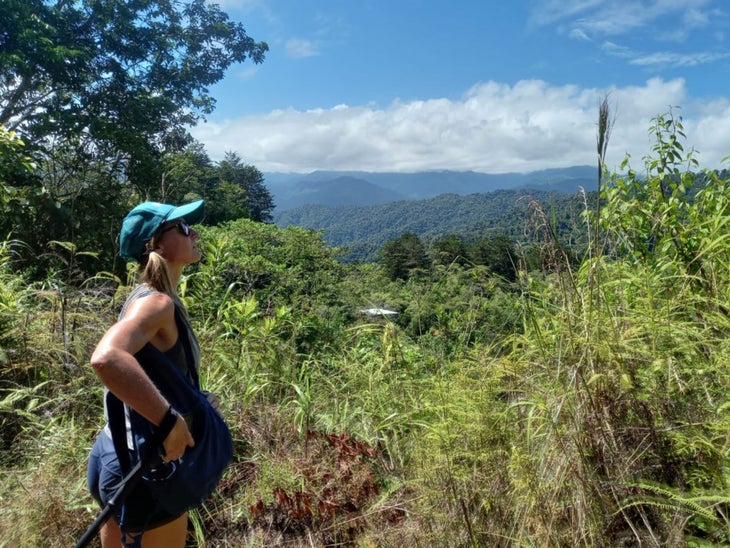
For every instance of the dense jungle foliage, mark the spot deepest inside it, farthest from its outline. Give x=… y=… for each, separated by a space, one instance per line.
x=579 y=401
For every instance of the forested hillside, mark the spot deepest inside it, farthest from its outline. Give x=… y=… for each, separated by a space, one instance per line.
x=363 y=230
x=341 y=190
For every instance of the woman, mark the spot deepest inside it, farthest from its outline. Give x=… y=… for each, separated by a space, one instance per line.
x=159 y=237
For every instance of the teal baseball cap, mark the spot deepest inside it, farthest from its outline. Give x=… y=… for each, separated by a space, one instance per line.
x=142 y=222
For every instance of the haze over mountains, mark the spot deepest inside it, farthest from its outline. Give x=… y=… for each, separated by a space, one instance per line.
x=358 y=188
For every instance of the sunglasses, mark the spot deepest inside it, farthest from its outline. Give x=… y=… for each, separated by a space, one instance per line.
x=182 y=226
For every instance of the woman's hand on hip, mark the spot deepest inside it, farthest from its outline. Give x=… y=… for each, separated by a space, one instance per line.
x=178 y=440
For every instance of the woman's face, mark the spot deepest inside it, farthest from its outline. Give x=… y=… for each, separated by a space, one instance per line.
x=178 y=242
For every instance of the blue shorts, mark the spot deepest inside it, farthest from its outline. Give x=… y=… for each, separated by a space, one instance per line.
x=140 y=510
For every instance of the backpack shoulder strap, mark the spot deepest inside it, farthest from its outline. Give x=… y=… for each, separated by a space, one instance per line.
x=115 y=408
x=183 y=330
x=142 y=290
x=116 y=418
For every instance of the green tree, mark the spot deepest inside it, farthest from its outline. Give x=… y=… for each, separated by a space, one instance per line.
x=122 y=75
x=652 y=211
x=187 y=174
x=99 y=90
x=449 y=249
x=15 y=167
x=497 y=254
x=290 y=268
x=238 y=191
x=404 y=256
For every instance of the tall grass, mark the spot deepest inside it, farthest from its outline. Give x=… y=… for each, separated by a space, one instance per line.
x=605 y=424
x=50 y=406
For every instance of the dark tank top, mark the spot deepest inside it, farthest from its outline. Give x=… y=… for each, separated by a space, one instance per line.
x=178 y=357
x=177 y=352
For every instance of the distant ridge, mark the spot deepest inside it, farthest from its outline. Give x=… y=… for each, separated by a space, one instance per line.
x=359 y=188
x=342 y=190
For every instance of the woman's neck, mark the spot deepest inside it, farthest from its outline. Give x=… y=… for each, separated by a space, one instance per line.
x=175 y=273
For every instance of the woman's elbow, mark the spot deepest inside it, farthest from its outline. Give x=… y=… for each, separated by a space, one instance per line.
x=101 y=358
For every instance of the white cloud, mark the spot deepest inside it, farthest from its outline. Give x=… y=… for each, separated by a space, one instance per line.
x=711 y=125
x=493 y=128
x=578 y=34
x=617 y=50
x=678 y=59
x=247 y=72
x=617 y=17
x=663 y=58
x=298 y=48
x=696 y=18
x=547 y=12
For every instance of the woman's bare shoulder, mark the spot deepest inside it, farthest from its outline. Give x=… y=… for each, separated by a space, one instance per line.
x=153 y=306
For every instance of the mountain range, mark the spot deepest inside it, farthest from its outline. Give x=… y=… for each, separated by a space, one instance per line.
x=359 y=188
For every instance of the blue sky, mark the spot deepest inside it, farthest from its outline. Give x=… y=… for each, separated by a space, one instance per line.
x=483 y=85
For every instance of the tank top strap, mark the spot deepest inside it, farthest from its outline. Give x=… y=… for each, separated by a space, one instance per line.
x=141 y=290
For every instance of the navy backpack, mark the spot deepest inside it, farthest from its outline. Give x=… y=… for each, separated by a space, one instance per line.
x=184 y=484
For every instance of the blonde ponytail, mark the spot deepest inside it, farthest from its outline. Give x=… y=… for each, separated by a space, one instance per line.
x=156 y=274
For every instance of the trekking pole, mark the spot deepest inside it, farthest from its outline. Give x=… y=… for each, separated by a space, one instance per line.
x=125 y=486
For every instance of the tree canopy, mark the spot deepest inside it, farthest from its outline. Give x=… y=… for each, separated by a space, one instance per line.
x=404 y=256
x=122 y=77
x=239 y=191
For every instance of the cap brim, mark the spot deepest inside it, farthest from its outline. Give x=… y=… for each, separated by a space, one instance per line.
x=192 y=212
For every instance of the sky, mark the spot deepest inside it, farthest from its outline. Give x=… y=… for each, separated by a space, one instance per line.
x=492 y=86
